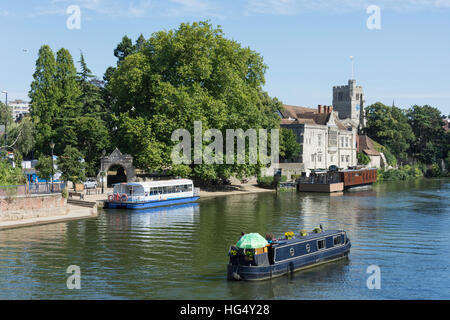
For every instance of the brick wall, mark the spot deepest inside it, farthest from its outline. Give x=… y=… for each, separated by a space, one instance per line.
x=26 y=207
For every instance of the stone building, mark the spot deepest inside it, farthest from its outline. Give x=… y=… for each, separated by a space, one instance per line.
x=19 y=109
x=325 y=140
x=349 y=101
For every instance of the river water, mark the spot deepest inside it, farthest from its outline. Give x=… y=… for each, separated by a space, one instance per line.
x=181 y=252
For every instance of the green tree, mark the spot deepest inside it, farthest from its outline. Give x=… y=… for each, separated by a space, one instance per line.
x=69 y=163
x=5 y=114
x=192 y=74
x=69 y=91
x=21 y=136
x=124 y=49
x=9 y=175
x=289 y=148
x=44 y=167
x=44 y=94
x=389 y=126
x=429 y=145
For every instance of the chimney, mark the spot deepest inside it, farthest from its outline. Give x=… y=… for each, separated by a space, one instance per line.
x=329 y=109
x=319 y=108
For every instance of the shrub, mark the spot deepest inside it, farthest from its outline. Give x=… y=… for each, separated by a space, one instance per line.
x=363 y=158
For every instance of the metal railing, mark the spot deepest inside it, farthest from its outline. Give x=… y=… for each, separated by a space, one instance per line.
x=32 y=188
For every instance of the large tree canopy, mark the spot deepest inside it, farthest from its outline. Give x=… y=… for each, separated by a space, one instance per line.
x=180 y=76
x=429 y=145
x=389 y=126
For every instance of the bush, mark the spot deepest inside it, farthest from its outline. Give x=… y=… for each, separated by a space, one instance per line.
x=65 y=193
x=434 y=171
x=404 y=173
x=363 y=158
x=265 y=182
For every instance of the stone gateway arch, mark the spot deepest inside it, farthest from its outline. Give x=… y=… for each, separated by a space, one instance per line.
x=117 y=158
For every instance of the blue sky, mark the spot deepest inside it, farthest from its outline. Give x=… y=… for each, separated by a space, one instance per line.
x=306 y=44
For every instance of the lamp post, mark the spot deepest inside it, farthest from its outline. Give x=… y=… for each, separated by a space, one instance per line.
x=102 y=173
x=6 y=119
x=52 y=145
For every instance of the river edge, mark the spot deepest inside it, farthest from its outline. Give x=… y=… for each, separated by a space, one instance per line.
x=81 y=213
x=74 y=213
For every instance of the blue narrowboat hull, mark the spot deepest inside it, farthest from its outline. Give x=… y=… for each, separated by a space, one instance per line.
x=253 y=273
x=147 y=204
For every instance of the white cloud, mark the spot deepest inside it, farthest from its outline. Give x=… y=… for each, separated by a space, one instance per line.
x=292 y=7
x=113 y=8
x=4 y=13
x=194 y=8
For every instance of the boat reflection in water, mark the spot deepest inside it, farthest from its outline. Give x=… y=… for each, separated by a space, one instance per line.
x=161 y=217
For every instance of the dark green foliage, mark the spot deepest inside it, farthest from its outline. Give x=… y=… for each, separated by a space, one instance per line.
x=9 y=175
x=389 y=126
x=180 y=76
x=71 y=166
x=362 y=158
x=44 y=167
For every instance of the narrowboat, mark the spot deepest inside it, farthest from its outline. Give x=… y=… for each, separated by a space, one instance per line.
x=144 y=195
x=337 y=180
x=283 y=256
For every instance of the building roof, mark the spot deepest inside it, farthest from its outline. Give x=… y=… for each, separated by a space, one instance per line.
x=302 y=115
x=366 y=145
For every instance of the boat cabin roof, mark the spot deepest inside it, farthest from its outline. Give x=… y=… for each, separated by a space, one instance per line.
x=310 y=236
x=157 y=183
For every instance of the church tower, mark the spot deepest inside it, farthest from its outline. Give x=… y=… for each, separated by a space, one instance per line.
x=349 y=101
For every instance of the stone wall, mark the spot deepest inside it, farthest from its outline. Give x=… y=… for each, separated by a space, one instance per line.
x=34 y=206
x=287 y=169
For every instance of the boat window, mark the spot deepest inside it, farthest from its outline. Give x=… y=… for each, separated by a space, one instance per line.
x=337 y=240
x=320 y=244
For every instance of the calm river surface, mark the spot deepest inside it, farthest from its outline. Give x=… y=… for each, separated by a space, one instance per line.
x=181 y=252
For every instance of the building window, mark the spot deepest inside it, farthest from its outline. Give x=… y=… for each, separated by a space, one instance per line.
x=331 y=159
x=342 y=142
x=319 y=139
x=347 y=158
x=340 y=96
x=357 y=96
x=312 y=158
x=319 y=158
x=342 y=158
x=346 y=142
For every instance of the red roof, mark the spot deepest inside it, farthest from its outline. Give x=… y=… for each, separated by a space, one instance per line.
x=365 y=144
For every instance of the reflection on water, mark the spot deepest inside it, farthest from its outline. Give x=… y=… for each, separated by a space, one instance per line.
x=181 y=252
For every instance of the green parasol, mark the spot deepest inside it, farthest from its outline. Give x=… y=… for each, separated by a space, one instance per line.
x=251 y=241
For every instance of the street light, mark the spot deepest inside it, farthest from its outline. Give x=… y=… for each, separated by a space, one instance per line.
x=103 y=172
x=52 y=145
x=6 y=119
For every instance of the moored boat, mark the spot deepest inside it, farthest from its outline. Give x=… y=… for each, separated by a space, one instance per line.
x=143 y=195
x=279 y=257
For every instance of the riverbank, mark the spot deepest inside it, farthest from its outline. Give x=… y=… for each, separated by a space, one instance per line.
x=72 y=213
x=210 y=192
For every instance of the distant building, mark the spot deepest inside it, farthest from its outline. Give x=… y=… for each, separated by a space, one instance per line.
x=446 y=125
x=19 y=109
x=366 y=145
x=349 y=101
x=325 y=140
